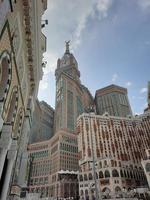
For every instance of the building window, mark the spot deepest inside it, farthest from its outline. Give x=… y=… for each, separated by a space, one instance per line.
x=101 y=174
x=79 y=106
x=107 y=174
x=115 y=173
x=90 y=177
x=70 y=111
x=147 y=167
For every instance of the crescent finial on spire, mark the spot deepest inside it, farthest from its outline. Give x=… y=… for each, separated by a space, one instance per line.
x=67 y=46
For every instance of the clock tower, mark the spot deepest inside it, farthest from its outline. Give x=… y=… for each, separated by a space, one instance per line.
x=71 y=99
x=68 y=103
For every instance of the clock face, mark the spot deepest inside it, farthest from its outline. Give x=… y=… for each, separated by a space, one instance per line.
x=64 y=61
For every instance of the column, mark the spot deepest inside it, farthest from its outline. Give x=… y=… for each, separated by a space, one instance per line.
x=1 y=119
x=7 y=179
x=22 y=178
x=5 y=142
x=1 y=122
x=2 y=159
x=69 y=189
x=11 y=158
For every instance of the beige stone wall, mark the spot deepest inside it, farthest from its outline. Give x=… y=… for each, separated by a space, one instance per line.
x=5 y=45
x=115 y=142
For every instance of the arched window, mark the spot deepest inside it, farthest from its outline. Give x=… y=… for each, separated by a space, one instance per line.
x=106 y=190
x=121 y=173
x=128 y=175
x=96 y=175
x=81 y=178
x=90 y=176
x=107 y=174
x=5 y=76
x=86 y=192
x=112 y=163
x=100 y=164
x=147 y=167
x=117 y=189
x=115 y=173
x=131 y=175
x=101 y=174
x=125 y=174
x=105 y=163
x=5 y=67
x=134 y=175
x=13 y=105
x=85 y=177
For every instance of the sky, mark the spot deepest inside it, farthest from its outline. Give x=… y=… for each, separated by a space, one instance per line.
x=110 y=40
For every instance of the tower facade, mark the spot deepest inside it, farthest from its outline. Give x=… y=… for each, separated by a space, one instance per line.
x=42 y=123
x=114 y=100
x=68 y=92
x=72 y=98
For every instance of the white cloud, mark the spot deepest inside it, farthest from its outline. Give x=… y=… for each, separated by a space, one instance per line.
x=44 y=83
x=103 y=7
x=51 y=62
x=143 y=90
x=67 y=19
x=144 y=4
x=114 y=77
x=128 y=84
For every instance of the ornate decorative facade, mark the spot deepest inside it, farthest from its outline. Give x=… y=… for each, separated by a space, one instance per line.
x=21 y=40
x=117 y=146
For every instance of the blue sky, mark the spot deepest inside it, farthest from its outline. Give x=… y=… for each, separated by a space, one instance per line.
x=110 y=40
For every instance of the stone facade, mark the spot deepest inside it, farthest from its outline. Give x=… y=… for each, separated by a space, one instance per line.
x=20 y=74
x=116 y=145
x=40 y=166
x=54 y=166
x=42 y=122
x=146 y=166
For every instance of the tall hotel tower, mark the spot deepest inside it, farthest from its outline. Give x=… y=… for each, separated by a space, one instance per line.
x=68 y=92
x=114 y=100
x=70 y=95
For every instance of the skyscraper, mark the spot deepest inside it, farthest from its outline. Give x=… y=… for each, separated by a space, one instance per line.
x=70 y=95
x=43 y=121
x=114 y=100
x=116 y=146
x=68 y=92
